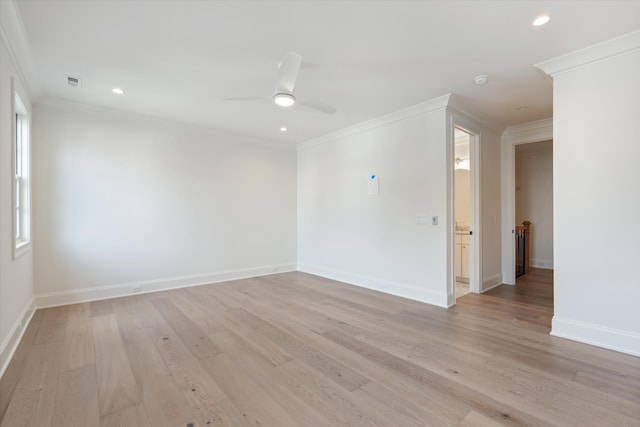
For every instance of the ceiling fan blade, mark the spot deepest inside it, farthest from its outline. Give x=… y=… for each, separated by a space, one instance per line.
x=317 y=105
x=247 y=98
x=288 y=73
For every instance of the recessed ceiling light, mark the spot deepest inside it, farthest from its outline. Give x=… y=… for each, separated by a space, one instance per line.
x=283 y=129
x=541 y=20
x=117 y=91
x=284 y=99
x=480 y=80
x=523 y=108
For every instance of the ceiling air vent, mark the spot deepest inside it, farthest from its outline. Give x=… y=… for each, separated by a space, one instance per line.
x=73 y=81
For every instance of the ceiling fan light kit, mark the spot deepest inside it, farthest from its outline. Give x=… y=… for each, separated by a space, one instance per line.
x=285 y=85
x=284 y=99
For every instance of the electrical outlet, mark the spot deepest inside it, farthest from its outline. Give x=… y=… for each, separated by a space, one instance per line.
x=20 y=325
x=274 y=269
x=136 y=288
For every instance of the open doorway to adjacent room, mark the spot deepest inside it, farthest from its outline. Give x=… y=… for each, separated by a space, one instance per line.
x=463 y=212
x=527 y=202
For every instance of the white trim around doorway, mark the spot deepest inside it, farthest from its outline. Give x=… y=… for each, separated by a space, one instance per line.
x=461 y=121
x=540 y=130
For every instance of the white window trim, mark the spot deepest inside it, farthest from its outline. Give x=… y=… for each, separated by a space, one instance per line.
x=23 y=245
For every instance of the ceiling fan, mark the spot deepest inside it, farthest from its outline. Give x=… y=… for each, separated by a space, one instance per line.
x=284 y=96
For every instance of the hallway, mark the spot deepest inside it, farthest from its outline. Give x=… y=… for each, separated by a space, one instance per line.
x=529 y=300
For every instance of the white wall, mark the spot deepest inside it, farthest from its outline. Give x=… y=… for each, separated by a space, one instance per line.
x=374 y=241
x=534 y=199
x=16 y=280
x=596 y=194
x=123 y=199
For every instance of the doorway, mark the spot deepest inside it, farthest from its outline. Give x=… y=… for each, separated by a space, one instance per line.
x=534 y=203
x=462 y=210
x=541 y=130
x=465 y=211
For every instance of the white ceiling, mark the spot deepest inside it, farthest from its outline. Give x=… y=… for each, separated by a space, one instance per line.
x=180 y=59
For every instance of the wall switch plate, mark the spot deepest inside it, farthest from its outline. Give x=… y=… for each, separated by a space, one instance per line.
x=421 y=219
x=434 y=220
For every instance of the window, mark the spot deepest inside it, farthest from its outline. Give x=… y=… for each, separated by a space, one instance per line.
x=21 y=214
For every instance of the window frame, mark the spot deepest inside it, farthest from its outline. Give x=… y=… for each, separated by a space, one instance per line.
x=21 y=178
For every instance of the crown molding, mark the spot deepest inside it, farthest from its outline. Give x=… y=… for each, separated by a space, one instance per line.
x=539 y=130
x=13 y=34
x=605 y=51
x=435 y=104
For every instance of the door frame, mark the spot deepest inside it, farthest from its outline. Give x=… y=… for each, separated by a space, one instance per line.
x=537 y=131
x=475 y=255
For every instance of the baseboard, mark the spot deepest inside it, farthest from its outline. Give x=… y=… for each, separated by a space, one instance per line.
x=600 y=336
x=10 y=344
x=394 y=288
x=541 y=263
x=491 y=282
x=54 y=299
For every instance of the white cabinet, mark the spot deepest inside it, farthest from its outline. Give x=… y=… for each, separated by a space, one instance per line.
x=458 y=258
x=463 y=242
x=464 y=261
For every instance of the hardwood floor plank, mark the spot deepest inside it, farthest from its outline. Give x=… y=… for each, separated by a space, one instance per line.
x=327 y=397
x=33 y=400
x=550 y=395
x=78 y=339
x=253 y=401
x=209 y=404
x=77 y=399
x=398 y=407
x=264 y=304
x=441 y=408
x=16 y=368
x=131 y=416
x=482 y=403
x=194 y=311
x=117 y=388
x=331 y=368
x=129 y=305
x=246 y=325
x=384 y=302
x=623 y=391
x=475 y=419
x=53 y=324
x=192 y=336
x=101 y=308
x=165 y=404
x=264 y=374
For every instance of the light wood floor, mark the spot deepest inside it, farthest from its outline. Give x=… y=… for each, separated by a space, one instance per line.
x=297 y=350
